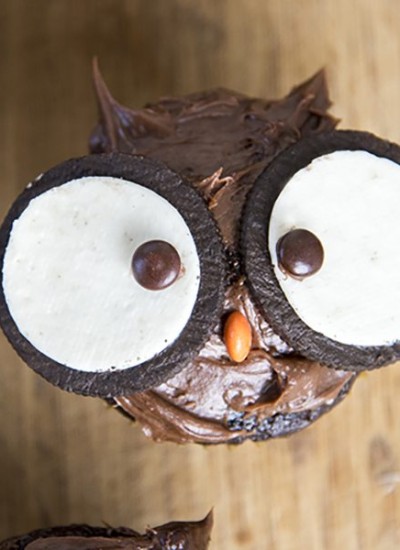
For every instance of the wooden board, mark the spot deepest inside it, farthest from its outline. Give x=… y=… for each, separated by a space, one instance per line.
x=66 y=459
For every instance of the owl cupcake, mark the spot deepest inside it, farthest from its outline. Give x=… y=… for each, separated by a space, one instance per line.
x=215 y=269
x=190 y=535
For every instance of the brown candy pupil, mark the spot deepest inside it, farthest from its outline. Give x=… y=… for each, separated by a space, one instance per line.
x=156 y=265
x=300 y=253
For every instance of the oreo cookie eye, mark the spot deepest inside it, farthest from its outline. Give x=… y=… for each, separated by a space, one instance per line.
x=328 y=207
x=95 y=295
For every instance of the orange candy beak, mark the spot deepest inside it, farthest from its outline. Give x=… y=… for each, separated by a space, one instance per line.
x=237 y=336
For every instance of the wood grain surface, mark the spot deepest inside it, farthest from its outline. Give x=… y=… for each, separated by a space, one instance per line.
x=64 y=458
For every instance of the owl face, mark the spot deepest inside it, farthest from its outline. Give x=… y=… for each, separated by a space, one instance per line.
x=224 y=280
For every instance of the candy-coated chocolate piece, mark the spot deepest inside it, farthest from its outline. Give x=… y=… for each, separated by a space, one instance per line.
x=300 y=253
x=156 y=265
x=237 y=336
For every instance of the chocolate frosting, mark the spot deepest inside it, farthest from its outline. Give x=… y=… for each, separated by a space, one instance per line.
x=189 y=535
x=220 y=141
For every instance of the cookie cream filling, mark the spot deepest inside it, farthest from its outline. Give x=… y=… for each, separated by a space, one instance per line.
x=68 y=280
x=350 y=201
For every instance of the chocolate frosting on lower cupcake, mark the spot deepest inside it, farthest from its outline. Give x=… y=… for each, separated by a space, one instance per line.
x=221 y=141
x=190 y=535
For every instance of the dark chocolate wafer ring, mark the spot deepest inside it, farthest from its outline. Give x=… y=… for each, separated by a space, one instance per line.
x=262 y=280
x=208 y=305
